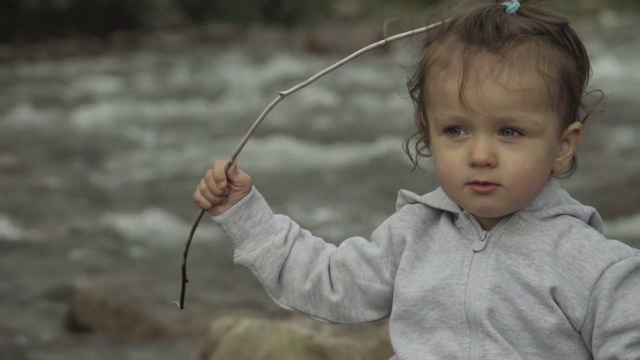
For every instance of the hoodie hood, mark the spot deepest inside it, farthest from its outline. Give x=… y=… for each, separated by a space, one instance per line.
x=553 y=201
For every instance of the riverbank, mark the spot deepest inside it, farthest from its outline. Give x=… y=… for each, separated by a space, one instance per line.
x=337 y=37
x=323 y=39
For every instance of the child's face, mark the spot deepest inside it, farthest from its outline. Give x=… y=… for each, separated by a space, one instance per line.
x=493 y=157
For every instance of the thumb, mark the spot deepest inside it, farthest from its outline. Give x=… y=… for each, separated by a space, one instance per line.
x=234 y=174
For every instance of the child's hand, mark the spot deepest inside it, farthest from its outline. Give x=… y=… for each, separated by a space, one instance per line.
x=218 y=192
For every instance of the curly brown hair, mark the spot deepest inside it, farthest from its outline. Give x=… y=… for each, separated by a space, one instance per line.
x=541 y=37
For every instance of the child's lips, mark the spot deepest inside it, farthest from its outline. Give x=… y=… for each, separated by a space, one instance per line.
x=483 y=187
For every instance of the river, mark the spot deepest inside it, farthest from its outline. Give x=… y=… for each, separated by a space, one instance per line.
x=99 y=157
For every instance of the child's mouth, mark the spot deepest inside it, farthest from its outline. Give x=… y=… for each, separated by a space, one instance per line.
x=483 y=187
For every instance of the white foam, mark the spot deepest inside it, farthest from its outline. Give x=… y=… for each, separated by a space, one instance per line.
x=99 y=85
x=9 y=230
x=366 y=77
x=623 y=138
x=280 y=153
x=286 y=66
x=157 y=227
x=238 y=71
x=607 y=66
x=114 y=115
x=24 y=115
x=267 y=155
x=317 y=98
x=615 y=71
x=153 y=162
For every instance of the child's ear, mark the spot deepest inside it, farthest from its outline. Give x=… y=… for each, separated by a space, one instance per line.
x=569 y=141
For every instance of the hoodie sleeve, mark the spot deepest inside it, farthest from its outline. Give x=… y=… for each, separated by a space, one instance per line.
x=612 y=324
x=349 y=283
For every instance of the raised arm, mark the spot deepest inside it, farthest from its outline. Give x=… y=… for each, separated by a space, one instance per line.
x=349 y=283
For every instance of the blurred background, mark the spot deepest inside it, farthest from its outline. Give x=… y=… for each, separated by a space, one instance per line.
x=111 y=111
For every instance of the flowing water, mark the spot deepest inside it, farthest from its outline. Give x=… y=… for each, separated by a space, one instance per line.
x=99 y=158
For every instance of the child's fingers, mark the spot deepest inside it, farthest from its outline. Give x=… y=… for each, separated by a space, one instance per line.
x=207 y=193
x=238 y=176
x=219 y=174
x=200 y=200
x=205 y=199
x=219 y=189
x=212 y=185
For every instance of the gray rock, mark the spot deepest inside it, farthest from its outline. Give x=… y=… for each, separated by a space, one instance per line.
x=132 y=309
x=263 y=339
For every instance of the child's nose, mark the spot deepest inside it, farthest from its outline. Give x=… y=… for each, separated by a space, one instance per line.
x=482 y=154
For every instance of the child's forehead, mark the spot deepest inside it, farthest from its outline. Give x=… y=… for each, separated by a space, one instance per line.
x=526 y=67
x=487 y=83
x=521 y=61
x=525 y=50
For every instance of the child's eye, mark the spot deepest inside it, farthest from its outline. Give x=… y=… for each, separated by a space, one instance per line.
x=454 y=131
x=510 y=132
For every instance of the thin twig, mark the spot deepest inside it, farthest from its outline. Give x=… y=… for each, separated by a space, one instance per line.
x=267 y=110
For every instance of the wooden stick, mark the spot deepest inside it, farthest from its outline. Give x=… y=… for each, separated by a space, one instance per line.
x=281 y=96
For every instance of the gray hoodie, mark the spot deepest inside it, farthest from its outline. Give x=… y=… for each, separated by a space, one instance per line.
x=543 y=284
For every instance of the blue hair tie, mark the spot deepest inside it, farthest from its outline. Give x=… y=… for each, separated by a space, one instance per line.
x=512 y=7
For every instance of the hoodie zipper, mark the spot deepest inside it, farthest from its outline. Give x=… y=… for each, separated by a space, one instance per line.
x=481 y=242
x=478 y=246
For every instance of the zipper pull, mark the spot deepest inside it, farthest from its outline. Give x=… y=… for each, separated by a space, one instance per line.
x=481 y=243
